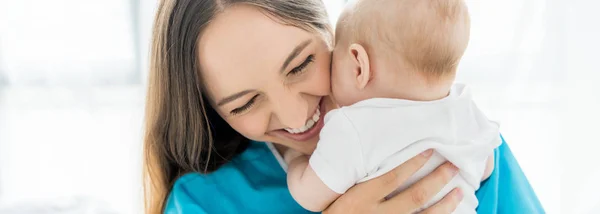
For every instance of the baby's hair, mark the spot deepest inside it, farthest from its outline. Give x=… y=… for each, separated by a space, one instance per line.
x=430 y=36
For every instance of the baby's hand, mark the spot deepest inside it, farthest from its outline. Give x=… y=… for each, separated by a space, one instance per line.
x=290 y=154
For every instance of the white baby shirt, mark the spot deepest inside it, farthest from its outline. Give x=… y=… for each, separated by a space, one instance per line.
x=372 y=137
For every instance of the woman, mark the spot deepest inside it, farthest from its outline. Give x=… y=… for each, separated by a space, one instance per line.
x=226 y=71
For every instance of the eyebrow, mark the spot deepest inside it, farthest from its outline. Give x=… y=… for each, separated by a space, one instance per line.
x=295 y=53
x=233 y=97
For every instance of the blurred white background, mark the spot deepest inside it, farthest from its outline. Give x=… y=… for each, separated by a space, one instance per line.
x=72 y=76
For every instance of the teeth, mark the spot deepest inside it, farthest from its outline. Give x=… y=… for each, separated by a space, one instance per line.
x=309 y=123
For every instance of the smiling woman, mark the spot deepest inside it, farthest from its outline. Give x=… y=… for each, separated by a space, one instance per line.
x=260 y=72
x=279 y=86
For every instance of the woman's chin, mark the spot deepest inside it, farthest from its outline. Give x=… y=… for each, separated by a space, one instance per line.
x=308 y=146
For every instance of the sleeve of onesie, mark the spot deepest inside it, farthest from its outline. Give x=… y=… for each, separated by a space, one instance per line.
x=338 y=159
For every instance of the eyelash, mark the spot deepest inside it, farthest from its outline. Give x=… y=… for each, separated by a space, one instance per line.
x=244 y=107
x=302 y=67
x=295 y=71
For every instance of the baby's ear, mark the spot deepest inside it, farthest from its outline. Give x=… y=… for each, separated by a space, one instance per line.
x=362 y=65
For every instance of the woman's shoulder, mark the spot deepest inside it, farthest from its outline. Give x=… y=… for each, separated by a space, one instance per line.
x=181 y=200
x=246 y=183
x=507 y=190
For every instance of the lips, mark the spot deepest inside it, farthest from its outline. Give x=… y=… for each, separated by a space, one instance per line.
x=309 y=123
x=309 y=131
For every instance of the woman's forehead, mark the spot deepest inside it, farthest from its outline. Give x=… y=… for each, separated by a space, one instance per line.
x=242 y=45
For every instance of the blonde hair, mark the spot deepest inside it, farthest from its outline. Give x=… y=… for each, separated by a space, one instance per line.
x=430 y=35
x=182 y=132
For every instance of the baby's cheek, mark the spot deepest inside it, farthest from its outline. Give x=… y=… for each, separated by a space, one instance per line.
x=337 y=90
x=335 y=79
x=334 y=85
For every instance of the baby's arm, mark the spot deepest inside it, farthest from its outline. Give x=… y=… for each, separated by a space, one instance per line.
x=305 y=186
x=489 y=168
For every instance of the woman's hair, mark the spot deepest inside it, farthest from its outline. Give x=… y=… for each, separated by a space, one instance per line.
x=183 y=133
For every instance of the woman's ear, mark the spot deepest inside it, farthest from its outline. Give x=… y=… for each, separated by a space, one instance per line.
x=362 y=65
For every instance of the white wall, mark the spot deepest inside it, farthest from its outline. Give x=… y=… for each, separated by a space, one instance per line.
x=70 y=118
x=67 y=42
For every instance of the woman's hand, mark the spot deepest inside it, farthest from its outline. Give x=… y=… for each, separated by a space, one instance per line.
x=369 y=197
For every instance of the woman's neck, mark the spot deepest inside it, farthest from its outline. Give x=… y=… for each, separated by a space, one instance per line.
x=281 y=149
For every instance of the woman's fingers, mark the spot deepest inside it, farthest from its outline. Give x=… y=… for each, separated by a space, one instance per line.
x=447 y=204
x=390 y=181
x=367 y=197
x=421 y=192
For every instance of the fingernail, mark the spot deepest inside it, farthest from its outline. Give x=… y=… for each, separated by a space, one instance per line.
x=427 y=153
x=453 y=169
x=459 y=194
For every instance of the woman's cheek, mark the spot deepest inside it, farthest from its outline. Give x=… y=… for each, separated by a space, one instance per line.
x=324 y=79
x=324 y=74
x=252 y=125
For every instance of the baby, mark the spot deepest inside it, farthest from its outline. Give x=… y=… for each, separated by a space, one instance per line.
x=393 y=73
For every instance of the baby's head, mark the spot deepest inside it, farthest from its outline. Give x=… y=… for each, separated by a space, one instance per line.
x=406 y=49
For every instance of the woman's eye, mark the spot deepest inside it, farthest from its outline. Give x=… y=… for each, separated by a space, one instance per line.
x=245 y=107
x=302 y=67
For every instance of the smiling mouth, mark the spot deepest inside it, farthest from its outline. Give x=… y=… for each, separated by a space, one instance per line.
x=309 y=123
x=311 y=128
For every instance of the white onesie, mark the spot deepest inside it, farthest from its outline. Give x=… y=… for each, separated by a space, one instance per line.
x=368 y=139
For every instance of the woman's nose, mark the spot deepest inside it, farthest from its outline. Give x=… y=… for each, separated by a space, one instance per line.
x=291 y=110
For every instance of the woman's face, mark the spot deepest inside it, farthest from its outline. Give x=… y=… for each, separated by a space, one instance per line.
x=269 y=81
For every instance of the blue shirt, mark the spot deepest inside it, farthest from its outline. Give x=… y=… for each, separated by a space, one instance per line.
x=254 y=182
